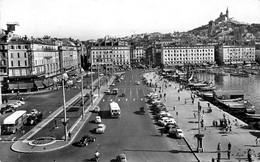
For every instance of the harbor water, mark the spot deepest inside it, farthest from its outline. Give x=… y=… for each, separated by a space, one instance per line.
x=249 y=85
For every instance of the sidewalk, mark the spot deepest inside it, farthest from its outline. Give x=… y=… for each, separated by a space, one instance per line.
x=23 y=145
x=241 y=137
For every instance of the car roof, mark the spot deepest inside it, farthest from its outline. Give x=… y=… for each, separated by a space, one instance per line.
x=122 y=155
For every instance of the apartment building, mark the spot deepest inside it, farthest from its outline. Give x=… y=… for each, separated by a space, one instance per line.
x=109 y=55
x=136 y=54
x=180 y=55
x=235 y=54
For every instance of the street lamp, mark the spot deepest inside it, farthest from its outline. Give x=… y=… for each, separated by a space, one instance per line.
x=64 y=77
x=91 y=78
x=82 y=72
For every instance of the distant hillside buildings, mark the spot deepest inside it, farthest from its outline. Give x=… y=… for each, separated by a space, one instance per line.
x=34 y=63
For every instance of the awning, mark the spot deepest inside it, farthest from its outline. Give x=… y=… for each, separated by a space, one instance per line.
x=13 y=86
x=20 y=86
x=25 y=85
x=39 y=84
x=48 y=82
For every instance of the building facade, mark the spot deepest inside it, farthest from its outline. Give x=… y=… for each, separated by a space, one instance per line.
x=108 y=57
x=180 y=55
x=136 y=54
x=235 y=54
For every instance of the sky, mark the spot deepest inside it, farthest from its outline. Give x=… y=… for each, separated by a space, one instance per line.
x=92 y=19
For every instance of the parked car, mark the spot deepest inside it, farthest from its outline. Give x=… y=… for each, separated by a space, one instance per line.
x=162 y=121
x=169 y=127
x=13 y=105
x=107 y=91
x=137 y=83
x=96 y=109
x=21 y=102
x=121 y=158
x=7 y=109
x=85 y=140
x=101 y=128
x=177 y=133
x=98 y=119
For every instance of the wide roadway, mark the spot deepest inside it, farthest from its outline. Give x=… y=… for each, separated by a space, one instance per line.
x=133 y=134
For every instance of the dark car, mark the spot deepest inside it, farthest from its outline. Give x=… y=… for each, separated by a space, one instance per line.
x=121 y=158
x=7 y=109
x=86 y=139
x=142 y=111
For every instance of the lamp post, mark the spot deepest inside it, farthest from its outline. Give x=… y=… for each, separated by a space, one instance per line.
x=64 y=77
x=91 y=78
x=98 y=80
x=82 y=95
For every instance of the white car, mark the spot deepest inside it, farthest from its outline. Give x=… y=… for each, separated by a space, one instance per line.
x=98 y=119
x=96 y=109
x=34 y=111
x=107 y=91
x=21 y=102
x=101 y=128
x=179 y=133
x=13 y=105
x=137 y=83
x=113 y=84
x=162 y=121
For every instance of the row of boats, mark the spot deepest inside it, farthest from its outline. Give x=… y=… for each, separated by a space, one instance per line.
x=232 y=102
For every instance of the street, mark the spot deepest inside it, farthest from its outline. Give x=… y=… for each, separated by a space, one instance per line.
x=133 y=134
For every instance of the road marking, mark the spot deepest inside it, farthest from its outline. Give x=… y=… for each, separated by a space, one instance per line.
x=133 y=99
x=126 y=99
x=141 y=99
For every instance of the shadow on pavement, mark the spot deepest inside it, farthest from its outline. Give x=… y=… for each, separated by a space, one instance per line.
x=256 y=134
x=171 y=151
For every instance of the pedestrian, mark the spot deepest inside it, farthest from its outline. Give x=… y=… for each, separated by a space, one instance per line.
x=179 y=98
x=185 y=101
x=192 y=100
x=174 y=107
x=249 y=155
x=256 y=141
x=208 y=105
x=69 y=134
x=229 y=146
x=164 y=95
x=194 y=114
x=161 y=132
x=178 y=90
x=219 y=147
x=219 y=157
x=228 y=154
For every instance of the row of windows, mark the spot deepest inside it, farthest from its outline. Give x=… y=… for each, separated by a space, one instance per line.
x=107 y=52
x=108 y=56
x=209 y=58
x=181 y=62
x=240 y=49
x=238 y=60
x=18 y=55
x=196 y=54
x=18 y=63
x=203 y=50
x=18 y=47
x=102 y=48
x=108 y=60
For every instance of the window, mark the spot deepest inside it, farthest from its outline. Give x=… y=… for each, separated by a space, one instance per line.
x=12 y=55
x=18 y=63
x=18 y=55
x=25 y=63
x=25 y=55
x=12 y=63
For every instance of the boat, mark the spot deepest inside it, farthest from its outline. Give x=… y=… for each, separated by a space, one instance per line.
x=240 y=74
x=240 y=107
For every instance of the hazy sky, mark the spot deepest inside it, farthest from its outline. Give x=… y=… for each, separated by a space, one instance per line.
x=91 y=19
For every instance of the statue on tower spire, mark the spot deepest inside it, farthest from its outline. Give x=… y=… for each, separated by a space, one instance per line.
x=227 y=13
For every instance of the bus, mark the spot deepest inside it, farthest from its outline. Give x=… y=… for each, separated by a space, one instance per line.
x=115 y=111
x=14 y=122
x=115 y=91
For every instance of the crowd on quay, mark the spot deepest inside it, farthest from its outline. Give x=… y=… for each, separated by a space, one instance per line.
x=225 y=122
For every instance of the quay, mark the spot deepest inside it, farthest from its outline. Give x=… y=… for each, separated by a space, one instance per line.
x=241 y=137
